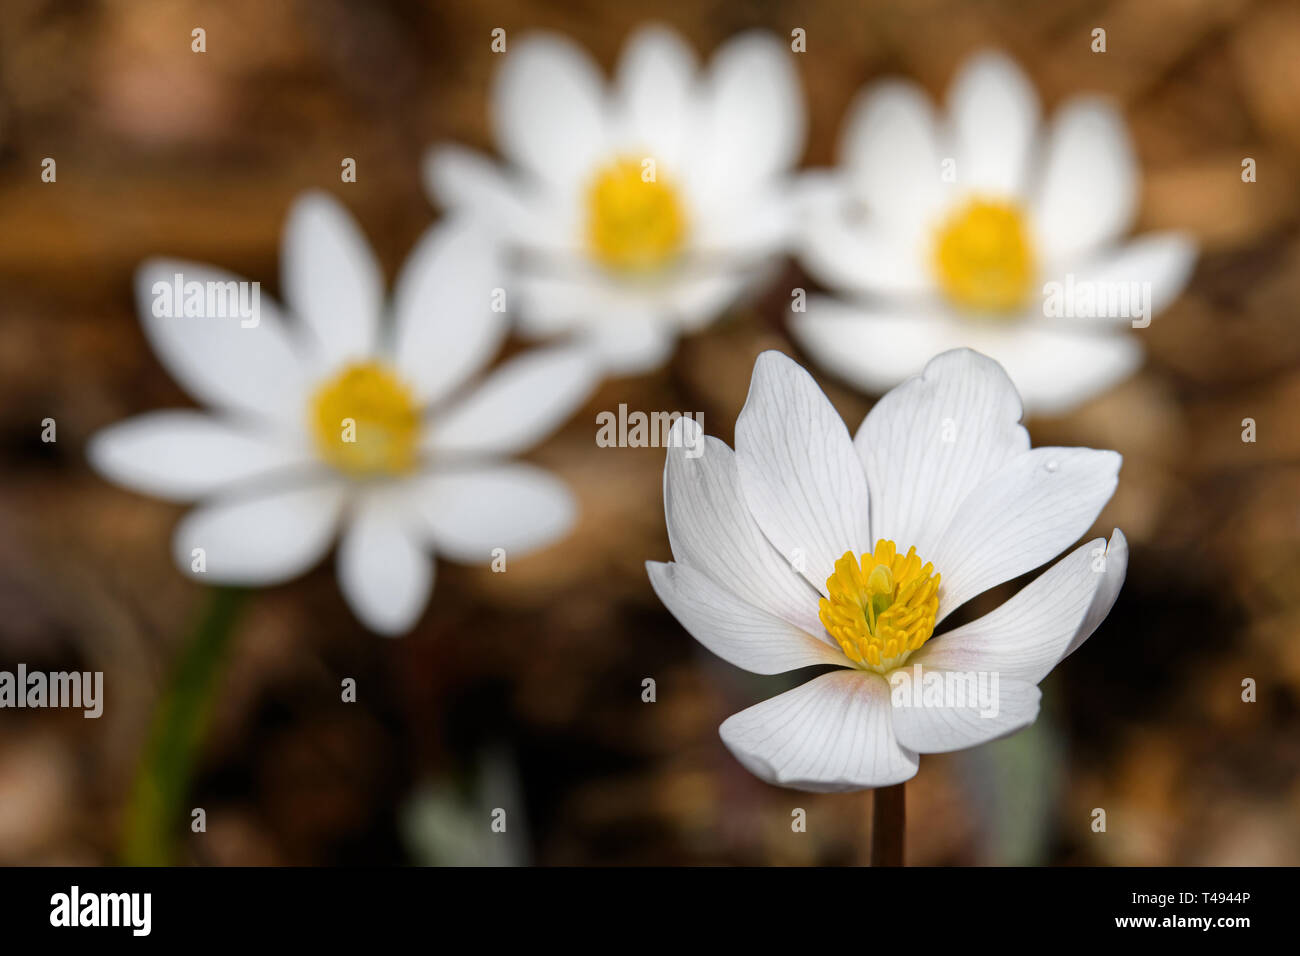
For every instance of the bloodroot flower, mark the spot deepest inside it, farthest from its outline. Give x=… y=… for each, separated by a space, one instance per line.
x=805 y=547
x=979 y=229
x=343 y=423
x=635 y=210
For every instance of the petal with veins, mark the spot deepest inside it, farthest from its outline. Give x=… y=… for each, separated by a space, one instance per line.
x=1029 y=634
x=976 y=718
x=801 y=478
x=1022 y=515
x=931 y=441
x=736 y=631
x=711 y=529
x=831 y=734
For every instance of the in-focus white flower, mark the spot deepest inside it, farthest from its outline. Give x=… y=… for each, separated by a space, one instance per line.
x=807 y=547
x=979 y=230
x=641 y=209
x=344 y=423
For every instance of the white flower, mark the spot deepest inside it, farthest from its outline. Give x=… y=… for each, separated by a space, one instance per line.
x=937 y=264
x=804 y=547
x=323 y=426
x=641 y=210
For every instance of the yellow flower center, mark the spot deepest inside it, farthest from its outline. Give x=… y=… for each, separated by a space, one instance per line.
x=366 y=422
x=984 y=258
x=881 y=607
x=635 y=221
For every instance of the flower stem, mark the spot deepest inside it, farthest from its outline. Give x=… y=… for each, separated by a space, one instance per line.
x=180 y=718
x=888 y=826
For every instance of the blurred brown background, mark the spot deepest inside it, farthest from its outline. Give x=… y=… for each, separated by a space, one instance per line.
x=523 y=690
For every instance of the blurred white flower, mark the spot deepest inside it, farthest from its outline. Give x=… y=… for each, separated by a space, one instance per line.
x=947 y=233
x=807 y=547
x=325 y=425
x=636 y=211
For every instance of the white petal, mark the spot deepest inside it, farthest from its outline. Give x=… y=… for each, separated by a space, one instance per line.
x=632 y=343
x=549 y=111
x=467 y=513
x=873 y=349
x=463 y=180
x=1116 y=567
x=1021 y=516
x=446 y=328
x=833 y=733
x=859 y=255
x=1088 y=192
x=739 y=633
x=699 y=300
x=630 y=330
x=253 y=370
x=549 y=304
x=457 y=177
x=383 y=572
x=802 y=480
x=1024 y=638
x=731 y=232
x=1057 y=366
x=710 y=529
x=751 y=126
x=1156 y=265
x=964 y=722
x=892 y=154
x=518 y=405
x=260 y=540
x=656 y=76
x=994 y=112
x=184 y=455
x=331 y=279
x=934 y=439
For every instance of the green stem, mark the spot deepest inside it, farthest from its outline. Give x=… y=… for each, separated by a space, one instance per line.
x=163 y=780
x=888 y=825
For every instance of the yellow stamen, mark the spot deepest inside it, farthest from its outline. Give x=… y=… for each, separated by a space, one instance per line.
x=635 y=220
x=881 y=607
x=984 y=258
x=366 y=422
